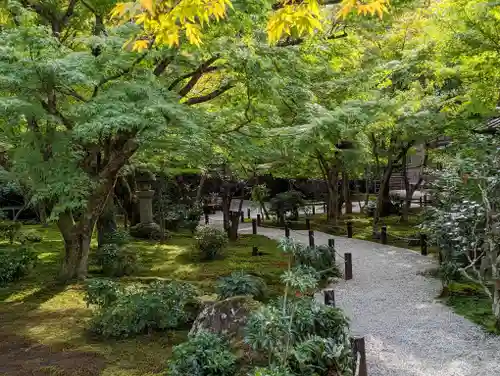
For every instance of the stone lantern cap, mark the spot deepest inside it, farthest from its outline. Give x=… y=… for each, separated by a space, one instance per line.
x=144 y=179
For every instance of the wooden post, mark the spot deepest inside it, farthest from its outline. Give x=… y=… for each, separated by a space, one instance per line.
x=254 y=226
x=423 y=244
x=308 y=224
x=311 y=238
x=207 y=220
x=358 y=346
x=324 y=207
x=348 y=266
x=425 y=200
x=242 y=214
x=287 y=230
x=383 y=235
x=314 y=209
x=329 y=297
x=421 y=201
x=255 y=251
x=349 y=229
x=248 y=213
x=259 y=222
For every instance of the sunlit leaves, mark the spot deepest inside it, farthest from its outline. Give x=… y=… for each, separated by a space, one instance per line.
x=299 y=18
x=378 y=7
x=167 y=22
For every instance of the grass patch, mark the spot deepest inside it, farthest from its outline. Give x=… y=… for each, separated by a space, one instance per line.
x=469 y=301
x=37 y=311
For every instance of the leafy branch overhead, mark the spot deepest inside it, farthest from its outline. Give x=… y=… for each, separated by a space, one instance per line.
x=168 y=22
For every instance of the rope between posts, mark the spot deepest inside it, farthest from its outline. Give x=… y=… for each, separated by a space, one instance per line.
x=403 y=238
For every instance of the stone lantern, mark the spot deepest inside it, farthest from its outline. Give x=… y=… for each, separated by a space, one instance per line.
x=145 y=195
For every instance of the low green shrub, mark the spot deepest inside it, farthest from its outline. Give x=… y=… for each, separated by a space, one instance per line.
x=151 y=231
x=238 y=283
x=115 y=260
x=160 y=306
x=320 y=258
x=16 y=262
x=29 y=236
x=205 y=354
x=118 y=237
x=9 y=230
x=309 y=337
x=210 y=241
x=101 y=292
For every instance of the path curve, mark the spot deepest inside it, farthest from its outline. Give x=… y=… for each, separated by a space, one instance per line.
x=407 y=332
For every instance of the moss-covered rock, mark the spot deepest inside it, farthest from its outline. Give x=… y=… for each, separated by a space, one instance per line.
x=227 y=317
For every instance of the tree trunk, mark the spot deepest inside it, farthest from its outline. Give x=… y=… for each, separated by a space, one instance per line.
x=77 y=238
x=106 y=224
x=346 y=192
x=226 y=205
x=263 y=209
x=233 y=229
x=199 y=191
x=333 y=197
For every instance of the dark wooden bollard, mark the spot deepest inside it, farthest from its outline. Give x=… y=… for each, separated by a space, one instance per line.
x=348 y=266
x=308 y=224
x=287 y=230
x=254 y=226
x=421 y=201
x=329 y=296
x=383 y=235
x=207 y=219
x=324 y=208
x=255 y=251
x=425 y=200
x=311 y=238
x=349 y=229
x=314 y=209
x=259 y=222
x=242 y=217
x=358 y=346
x=423 y=244
x=248 y=213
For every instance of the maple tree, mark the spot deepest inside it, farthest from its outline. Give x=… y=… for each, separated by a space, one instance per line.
x=166 y=22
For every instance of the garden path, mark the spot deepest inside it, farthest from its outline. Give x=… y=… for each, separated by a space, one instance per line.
x=407 y=332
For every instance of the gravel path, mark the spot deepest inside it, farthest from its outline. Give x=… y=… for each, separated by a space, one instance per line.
x=407 y=333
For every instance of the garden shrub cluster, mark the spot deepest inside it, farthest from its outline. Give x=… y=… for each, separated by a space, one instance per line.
x=16 y=262
x=294 y=335
x=205 y=354
x=238 y=283
x=115 y=258
x=320 y=258
x=210 y=241
x=124 y=312
x=287 y=202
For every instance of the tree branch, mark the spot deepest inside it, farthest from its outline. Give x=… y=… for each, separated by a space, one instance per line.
x=54 y=111
x=197 y=74
x=210 y=96
x=117 y=75
x=69 y=12
x=161 y=66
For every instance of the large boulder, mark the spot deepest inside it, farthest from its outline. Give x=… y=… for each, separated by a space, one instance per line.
x=227 y=317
